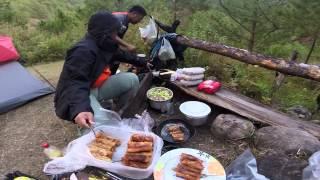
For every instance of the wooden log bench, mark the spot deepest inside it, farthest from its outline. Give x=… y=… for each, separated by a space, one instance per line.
x=250 y=108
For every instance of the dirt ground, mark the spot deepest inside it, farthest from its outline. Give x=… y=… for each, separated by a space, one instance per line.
x=23 y=129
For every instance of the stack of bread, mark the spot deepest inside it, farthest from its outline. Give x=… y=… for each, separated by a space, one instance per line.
x=139 y=152
x=189 y=167
x=103 y=147
x=189 y=76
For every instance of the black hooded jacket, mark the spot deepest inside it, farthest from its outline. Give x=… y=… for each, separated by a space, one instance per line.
x=84 y=62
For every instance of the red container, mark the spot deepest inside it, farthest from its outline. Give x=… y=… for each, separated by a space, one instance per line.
x=209 y=86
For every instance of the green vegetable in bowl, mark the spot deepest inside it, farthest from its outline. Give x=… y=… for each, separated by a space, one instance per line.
x=159 y=94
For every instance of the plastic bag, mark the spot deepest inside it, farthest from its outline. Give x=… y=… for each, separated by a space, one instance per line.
x=149 y=32
x=312 y=171
x=78 y=155
x=166 y=52
x=106 y=117
x=140 y=123
x=244 y=168
x=103 y=117
x=193 y=77
x=192 y=70
x=177 y=76
x=190 y=83
x=209 y=86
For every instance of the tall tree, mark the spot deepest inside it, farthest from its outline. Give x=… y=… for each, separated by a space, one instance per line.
x=254 y=19
x=305 y=18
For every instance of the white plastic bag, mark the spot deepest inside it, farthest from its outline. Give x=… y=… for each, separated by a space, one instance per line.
x=149 y=32
x=166 y=52
x=312 y=171
x=193 y=77
x=78 y=155
x=178 y=76
x=244 y=168
x=190 y=83
x=192 y=70
x=140 y=123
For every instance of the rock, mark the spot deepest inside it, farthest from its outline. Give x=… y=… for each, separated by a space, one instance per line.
x=300 y=112
x=279 y=166
x=228 y=126
x=315 y=121
x=282 y=139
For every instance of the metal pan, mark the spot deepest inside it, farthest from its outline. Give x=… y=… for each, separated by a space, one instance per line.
x=187 y=129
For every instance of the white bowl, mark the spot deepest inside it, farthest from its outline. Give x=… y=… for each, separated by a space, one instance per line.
x=196 y=112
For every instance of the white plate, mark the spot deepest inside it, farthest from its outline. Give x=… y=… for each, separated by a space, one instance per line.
x=195 y=109
x=168 y=161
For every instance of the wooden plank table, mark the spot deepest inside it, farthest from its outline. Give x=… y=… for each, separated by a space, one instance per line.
x=251 y=109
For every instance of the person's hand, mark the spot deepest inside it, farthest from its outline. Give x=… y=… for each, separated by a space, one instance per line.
x=131 y=48
x=84 y=119
x=149 y=66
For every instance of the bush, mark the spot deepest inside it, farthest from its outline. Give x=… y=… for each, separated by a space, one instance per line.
x=60 y=23
x=6 y=12
x=285 y=50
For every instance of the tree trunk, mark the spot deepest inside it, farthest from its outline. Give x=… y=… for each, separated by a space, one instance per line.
x=276 y=64
x=119 y=5
x=311 y=49
x=279 y=78
x=174 y=10
x=252 y=38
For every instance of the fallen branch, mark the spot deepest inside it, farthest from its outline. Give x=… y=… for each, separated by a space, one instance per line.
x=277 y=64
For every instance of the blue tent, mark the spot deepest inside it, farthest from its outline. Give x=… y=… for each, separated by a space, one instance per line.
x=18 y=86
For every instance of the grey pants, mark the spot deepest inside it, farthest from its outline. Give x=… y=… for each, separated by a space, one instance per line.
x=121 y=86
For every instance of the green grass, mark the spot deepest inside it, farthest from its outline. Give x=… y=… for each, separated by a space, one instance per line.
x=43 y=9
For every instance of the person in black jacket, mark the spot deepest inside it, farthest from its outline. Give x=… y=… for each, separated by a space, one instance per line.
x=86 y=78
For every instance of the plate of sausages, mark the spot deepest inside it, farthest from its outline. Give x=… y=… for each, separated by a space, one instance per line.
x=188 y=164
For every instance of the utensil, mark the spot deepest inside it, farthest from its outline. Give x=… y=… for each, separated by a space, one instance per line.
x=163 y=73
x=113 y=176
x=93 y=131
x=110 y=175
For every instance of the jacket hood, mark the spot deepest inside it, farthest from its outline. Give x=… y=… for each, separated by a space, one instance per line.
x=101 y=26
x=102 y=23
